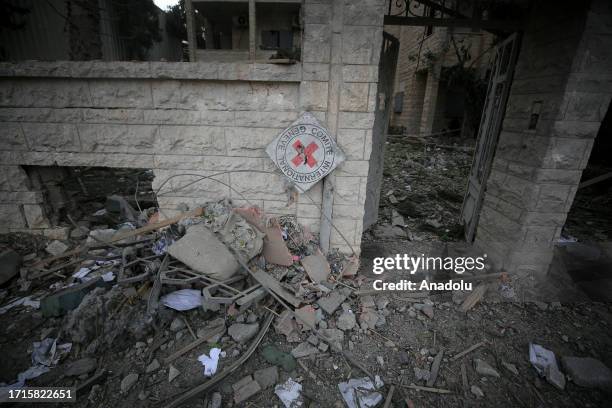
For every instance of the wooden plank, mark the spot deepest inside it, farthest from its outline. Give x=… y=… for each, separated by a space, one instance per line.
x=464 y=352
x=389 y=397
x=594 y=180
x=435 y=368
x=153 y=227
x=272 y=284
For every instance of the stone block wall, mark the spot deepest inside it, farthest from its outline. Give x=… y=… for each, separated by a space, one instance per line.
x=199 y=118
x=565 y=64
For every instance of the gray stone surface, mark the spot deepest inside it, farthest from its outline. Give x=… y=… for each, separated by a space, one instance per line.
x=241 y=332
x=177 y=324
x=588 y=372
x=303 y=350
x=266 y=377
x=201 y=250
x=128 y=382
x=56 y=248
x=10 y=261
x=331 y=302
x=346 y=321
x=484 y=368
x=335 y=336
x=154 y=366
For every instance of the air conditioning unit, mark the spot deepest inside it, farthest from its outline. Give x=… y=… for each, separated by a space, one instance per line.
x=241 y=21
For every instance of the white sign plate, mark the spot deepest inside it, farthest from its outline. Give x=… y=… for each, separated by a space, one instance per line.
x=304 y=152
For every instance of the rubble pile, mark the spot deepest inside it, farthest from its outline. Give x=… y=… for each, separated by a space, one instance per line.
x=225 y=306
x=424 y=181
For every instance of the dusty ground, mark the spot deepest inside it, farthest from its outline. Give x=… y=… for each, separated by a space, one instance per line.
x=404 y=343
x=428 y=180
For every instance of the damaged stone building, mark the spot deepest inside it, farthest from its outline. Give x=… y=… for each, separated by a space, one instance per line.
x=144 y=221
x=217 y=114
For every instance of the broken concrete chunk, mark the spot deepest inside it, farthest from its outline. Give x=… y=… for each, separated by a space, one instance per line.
x=307 y=316
x=303 y=350
x=177 y=324
x=274 y=249
x=331 y=302
x=241 y=332
x=317 y=267
x=10 y=261
x=397 y=219
x=245 y=389
x=266 y=377
x=588 y=372
x=334 y=336
x=154 y=366
x=483 y=368
x=346 y=321
x=56 y=248
x=202 y=251
x=368 y=319
x=128 y=382
x=173 y=372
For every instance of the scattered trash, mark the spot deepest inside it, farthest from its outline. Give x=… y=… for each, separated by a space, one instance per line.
x=211 y=361
x=289 y=393
x=545 y=363
x=361 y=392
x=184 y=299
x=24 y=301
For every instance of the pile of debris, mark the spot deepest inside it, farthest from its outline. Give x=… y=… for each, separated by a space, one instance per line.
x=424 y=181
x=170 y=311
x=240 y=270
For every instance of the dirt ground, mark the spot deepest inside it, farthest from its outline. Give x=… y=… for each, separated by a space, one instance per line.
x=406 y=341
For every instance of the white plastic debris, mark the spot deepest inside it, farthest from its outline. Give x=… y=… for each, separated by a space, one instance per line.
x=289 y=393
x=184 y=299
x=48 y=352
x=541 y=358
x=356 y=395
x=545 y=363
x=211 y=362
x=108 y=276
x=81 y=273
x=100 y=212
x=25 y=301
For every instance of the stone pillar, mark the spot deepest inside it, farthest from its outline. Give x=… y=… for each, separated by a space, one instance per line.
x=559 y=95
x=342 y=43
x=430 y=100
x=191 y=31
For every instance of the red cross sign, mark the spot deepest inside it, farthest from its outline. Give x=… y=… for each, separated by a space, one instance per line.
x=305 y=156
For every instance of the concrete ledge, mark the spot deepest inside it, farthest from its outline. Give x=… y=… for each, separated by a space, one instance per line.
x=226 y=71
